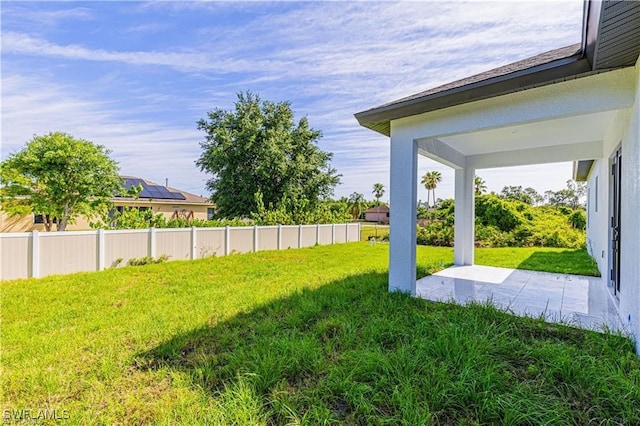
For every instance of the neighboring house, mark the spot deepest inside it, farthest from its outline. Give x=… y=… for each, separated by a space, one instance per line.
x=171 y=202
x=378 y=214
x=579 y=103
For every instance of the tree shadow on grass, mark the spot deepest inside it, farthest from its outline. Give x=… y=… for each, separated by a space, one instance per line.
x=352 y=353
x=571 y=261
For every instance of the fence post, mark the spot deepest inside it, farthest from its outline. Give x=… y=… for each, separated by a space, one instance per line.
x=194 y=243
x=359 y=231
x=299 y=236
x=152 y=242
x=279 y=237
x=227 y=243
x=100 y=249
x=333 y=233
x=255 y=238
x=346 y=232
x=35 y=254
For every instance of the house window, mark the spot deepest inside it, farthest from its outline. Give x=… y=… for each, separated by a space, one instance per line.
x=39 y=219
x=210 y=213
x=596 y=195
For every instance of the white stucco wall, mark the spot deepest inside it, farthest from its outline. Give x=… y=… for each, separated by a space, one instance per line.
x=597 y=217
x=625 y=133
x=599 y=196
x=630 y=218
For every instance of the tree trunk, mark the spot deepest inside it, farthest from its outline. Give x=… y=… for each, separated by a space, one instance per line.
x=48 y=222
x=62 y=221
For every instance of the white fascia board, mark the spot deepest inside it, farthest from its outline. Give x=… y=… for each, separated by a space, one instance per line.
x=595 y=93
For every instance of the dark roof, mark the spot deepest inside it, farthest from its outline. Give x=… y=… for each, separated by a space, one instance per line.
x=159 y=193
x=611 y=39
x=534 y=61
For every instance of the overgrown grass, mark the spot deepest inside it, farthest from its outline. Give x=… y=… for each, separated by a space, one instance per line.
x=299 y=336
x=547 y=259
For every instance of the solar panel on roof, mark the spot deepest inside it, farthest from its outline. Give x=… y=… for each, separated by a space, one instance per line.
x=132 y=182
x=178 y=196
x=145 y=194
x=152 y=191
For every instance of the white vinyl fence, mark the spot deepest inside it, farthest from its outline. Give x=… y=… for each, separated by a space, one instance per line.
x=38 y=254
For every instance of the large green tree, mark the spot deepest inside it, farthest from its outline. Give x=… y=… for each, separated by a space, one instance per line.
x=59 y=177
x=259 y=149
x=526 y=195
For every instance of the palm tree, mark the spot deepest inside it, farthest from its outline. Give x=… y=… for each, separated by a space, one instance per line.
x=357 y=201
x=378 y=192
x=430 y=180
x=480 y=185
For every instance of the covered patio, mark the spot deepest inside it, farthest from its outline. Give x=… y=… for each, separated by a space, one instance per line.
x=564 y=121
x=575 y=300
x=573 y=104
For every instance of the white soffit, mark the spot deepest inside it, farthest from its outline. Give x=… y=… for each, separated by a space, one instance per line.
x=560 y=131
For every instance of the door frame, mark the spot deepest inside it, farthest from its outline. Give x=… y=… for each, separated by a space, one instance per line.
x=615 y=229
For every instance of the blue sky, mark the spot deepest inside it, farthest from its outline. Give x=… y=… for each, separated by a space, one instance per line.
x=136 y=76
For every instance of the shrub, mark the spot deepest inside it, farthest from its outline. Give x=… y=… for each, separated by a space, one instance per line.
x=291 y=212
x=147 y=260
x=578 y=219
x=435 y=234
x=503 y=223
x=503 y=214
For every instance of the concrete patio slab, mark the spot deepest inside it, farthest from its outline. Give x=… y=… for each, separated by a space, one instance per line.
x=576 y=300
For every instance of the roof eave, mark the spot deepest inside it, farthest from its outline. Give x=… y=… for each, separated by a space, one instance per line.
x=379 y=118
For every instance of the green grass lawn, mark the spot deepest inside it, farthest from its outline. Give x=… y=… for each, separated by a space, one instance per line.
x=305 y=336
x=546 y=259
x=372 y=230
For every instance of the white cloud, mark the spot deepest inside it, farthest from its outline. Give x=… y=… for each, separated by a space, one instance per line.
x=13 y=13
x=33 y=106
x=331 y=59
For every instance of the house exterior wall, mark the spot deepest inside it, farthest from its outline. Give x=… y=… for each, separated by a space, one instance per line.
x=22 y=223
x=630 y=219
x=382 y=217
x=599 y=195
x=25 y=223
x=624 y=133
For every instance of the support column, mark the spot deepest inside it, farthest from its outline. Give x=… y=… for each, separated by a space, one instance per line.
x=464 y=221
x=403 y=191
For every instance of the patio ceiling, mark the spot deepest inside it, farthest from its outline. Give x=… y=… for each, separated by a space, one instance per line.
x=549 y=141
